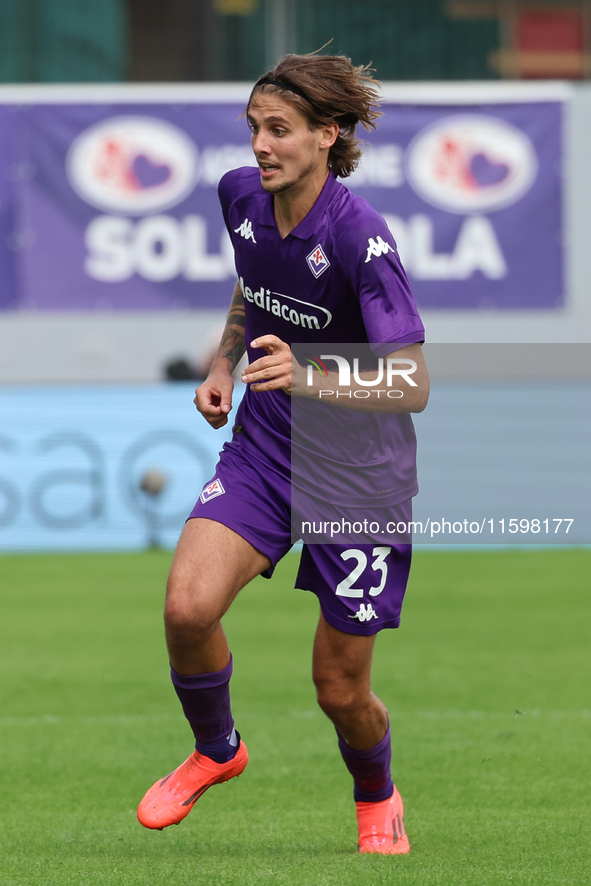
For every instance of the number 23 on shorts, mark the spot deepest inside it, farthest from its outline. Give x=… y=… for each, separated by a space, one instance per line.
x=345 y=588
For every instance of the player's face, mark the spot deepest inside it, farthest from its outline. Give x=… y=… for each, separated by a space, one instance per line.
x=289 y=154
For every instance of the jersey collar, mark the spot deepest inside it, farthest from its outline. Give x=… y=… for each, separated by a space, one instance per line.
x=308 y=225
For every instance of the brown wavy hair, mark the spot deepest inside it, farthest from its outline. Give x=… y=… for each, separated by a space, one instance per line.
x=328 y=89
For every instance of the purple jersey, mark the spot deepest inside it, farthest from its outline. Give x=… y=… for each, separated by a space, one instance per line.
x=335 y=278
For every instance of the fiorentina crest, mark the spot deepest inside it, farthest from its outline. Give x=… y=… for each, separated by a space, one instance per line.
x=212 y=490
x=317 y=261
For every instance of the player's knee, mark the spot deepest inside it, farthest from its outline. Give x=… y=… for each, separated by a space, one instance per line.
x=337 y=697
x=185 y=619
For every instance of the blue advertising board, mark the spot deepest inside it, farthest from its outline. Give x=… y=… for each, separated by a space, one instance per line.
x=72 y=460
x=499 y=463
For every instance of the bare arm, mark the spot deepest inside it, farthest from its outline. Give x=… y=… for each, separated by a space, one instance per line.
x=213 y=398
x=233 y=344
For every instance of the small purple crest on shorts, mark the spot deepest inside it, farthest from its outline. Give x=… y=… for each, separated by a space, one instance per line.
x=212 y=490
x=317 y=261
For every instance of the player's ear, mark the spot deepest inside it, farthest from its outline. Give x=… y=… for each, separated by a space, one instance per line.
x=329 y=135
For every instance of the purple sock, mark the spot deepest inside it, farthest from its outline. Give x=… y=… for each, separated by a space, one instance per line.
x=206 y=704
x=370 y=770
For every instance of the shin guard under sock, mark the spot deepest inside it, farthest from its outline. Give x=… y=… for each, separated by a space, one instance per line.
x=370 y=770
x=206 y=704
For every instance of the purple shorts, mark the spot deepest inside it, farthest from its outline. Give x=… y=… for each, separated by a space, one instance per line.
x=360 y=587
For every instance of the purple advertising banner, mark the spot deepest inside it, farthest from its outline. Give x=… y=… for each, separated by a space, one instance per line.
x=8 y=222
x=473 y=196
x=122 y=206
x=114 y=206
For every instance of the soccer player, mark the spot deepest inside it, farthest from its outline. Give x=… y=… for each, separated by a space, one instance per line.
x=315 y=264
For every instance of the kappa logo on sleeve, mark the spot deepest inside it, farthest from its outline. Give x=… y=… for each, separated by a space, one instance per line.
x=377 y=247
x=245 y=230
x=317 y=261
x=212 y=490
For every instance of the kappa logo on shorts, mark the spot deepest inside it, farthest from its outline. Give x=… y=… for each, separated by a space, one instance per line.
x=317 y=261
x=365 y=613
x=212 y=490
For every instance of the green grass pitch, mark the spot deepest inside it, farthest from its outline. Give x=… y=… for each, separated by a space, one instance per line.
x=487 y=682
